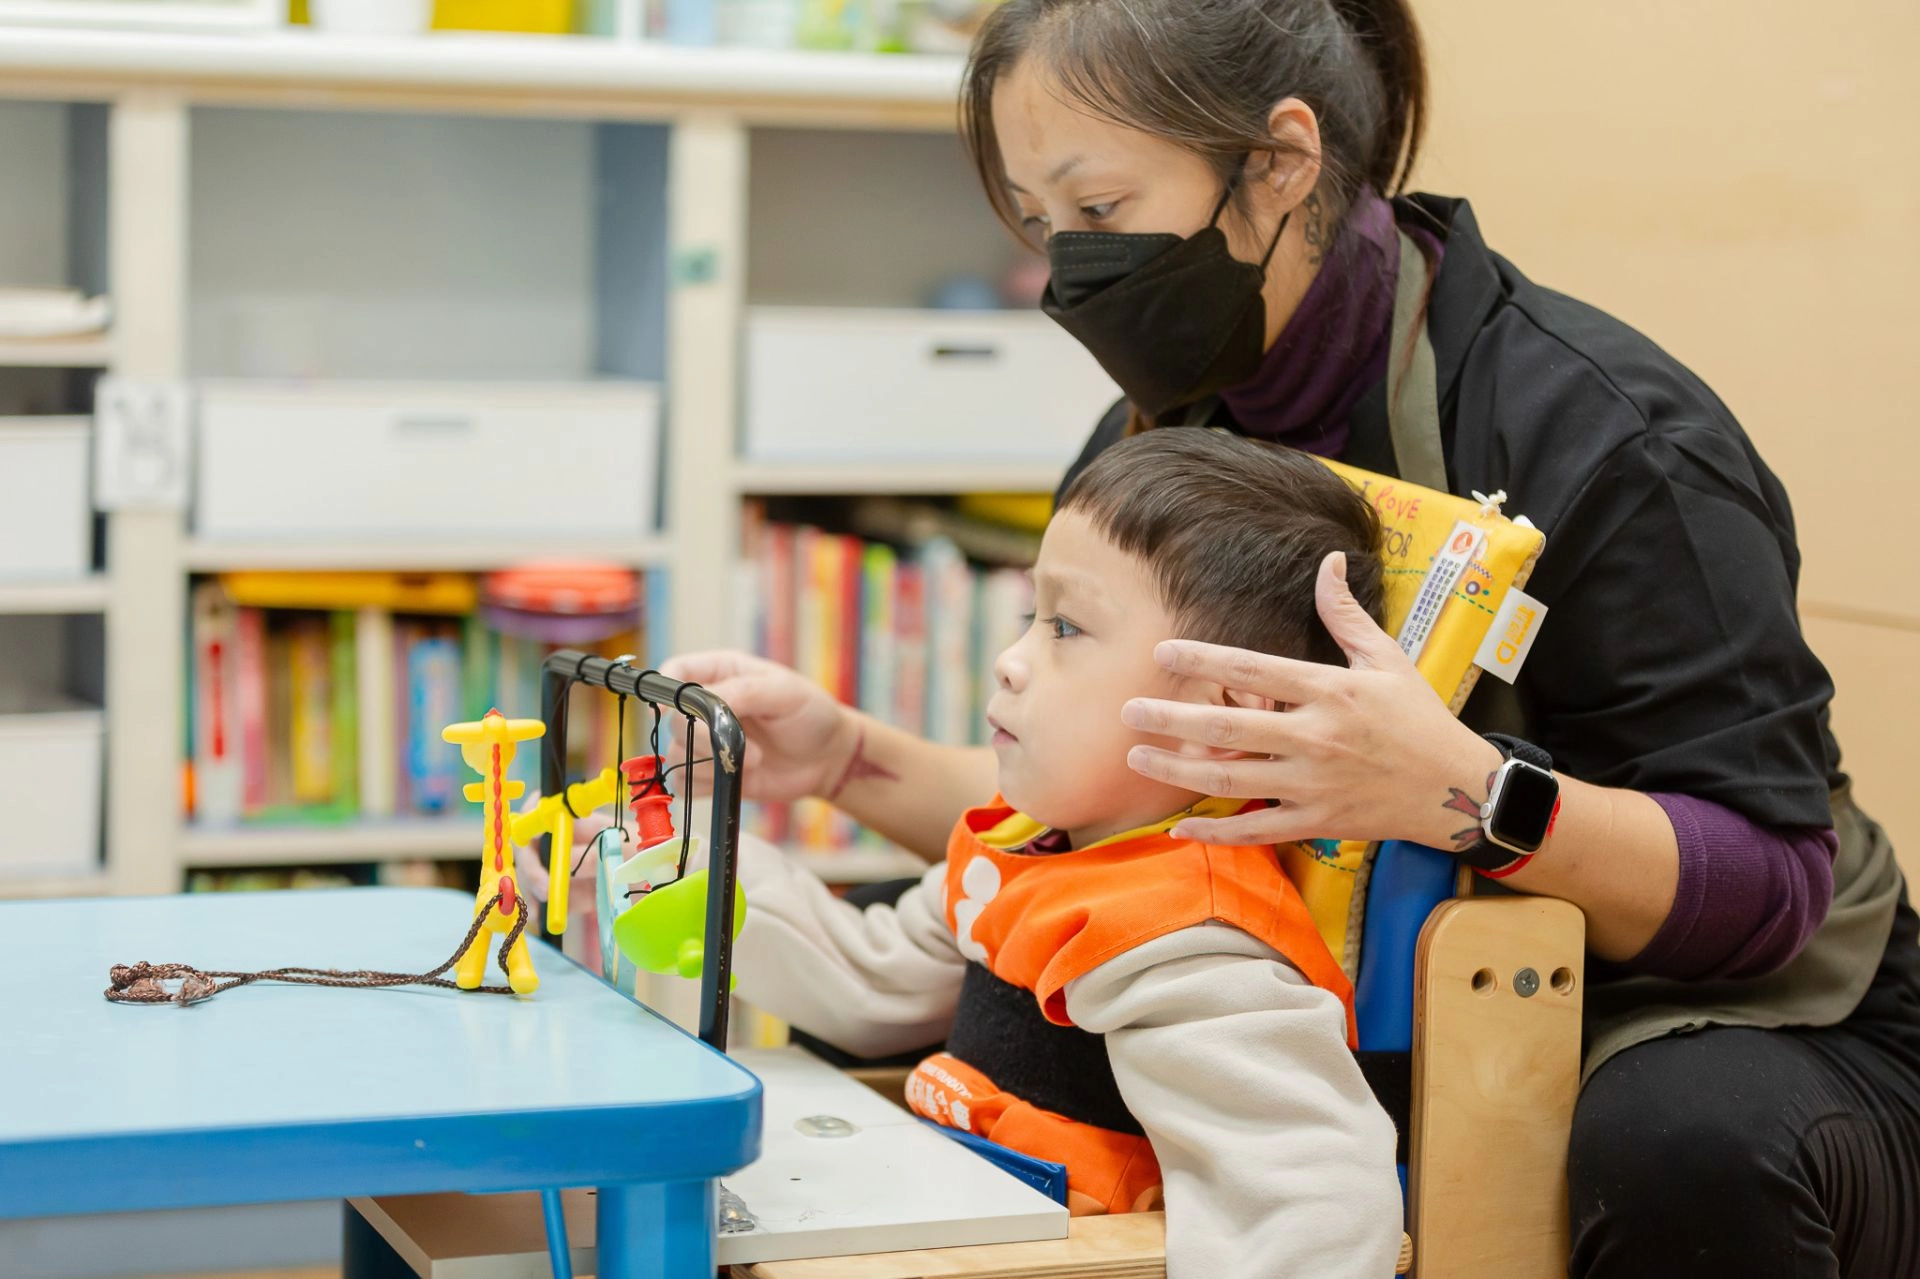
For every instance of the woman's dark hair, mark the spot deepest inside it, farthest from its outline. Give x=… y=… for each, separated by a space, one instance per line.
x=1204 y=74
x=1241 y=574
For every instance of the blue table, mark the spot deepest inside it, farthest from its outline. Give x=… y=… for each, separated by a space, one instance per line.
x=269 y=1092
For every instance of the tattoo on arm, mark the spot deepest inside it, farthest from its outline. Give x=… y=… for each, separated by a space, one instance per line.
x=1317 y=234
x=1458 y=801
x=860 y=769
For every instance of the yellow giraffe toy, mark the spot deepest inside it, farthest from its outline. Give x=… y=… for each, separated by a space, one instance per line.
x=488 y=746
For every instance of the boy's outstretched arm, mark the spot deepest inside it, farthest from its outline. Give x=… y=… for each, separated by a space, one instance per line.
x=1275 y=1157
x=801 y=743
x=872 y=982
x=909 y=789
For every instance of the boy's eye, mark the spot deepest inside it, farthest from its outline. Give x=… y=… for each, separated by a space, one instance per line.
x=1062 y=628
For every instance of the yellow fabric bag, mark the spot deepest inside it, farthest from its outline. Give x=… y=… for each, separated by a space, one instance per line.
x=1451 y=564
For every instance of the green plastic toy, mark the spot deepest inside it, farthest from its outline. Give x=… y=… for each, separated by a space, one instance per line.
x=665 y=931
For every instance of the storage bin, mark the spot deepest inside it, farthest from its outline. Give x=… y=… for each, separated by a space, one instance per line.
x=377 y=461
x=880 y=386
x=46 y=514
x=50 y=756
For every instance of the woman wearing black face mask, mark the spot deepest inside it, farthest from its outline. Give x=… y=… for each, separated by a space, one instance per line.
x=1211 y=179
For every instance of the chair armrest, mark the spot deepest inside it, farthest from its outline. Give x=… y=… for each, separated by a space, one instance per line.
x=1496 y=1053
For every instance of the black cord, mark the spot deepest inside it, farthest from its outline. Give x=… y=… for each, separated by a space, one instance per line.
x=686 y=795
x=619 y=751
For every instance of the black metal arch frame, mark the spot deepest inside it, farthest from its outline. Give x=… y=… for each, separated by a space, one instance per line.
x=567 y=667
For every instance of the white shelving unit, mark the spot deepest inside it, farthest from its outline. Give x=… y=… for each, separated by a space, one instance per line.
x=322 y=843
x=757 y=151
x=50 y=887
x=56 y=353
x=772 y=479
x=87 y=595
x=218 y=557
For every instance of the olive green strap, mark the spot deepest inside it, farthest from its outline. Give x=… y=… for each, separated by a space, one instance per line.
x=1413 y=403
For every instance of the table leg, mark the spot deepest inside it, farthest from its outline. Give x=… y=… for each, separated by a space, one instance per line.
x=656 y=1231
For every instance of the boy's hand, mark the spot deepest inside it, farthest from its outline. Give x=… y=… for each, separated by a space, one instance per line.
x=799 y=738
x=533 y=878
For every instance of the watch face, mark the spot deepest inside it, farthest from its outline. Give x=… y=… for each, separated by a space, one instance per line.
x=1523 y=810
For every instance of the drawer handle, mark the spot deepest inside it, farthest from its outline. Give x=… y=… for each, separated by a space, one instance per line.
x=957 y=351
x=445 y=424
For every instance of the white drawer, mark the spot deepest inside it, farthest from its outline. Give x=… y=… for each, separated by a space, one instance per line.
x=46 y=515
x=380 y=460
x=969 y=387
x=50 y=747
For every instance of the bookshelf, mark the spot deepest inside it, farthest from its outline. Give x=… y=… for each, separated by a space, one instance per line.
x=706 y=149
x=773 y=479
x=86 y=595
x=56 y=353
x=48 y=887
x=323 y=843
x=207 y=556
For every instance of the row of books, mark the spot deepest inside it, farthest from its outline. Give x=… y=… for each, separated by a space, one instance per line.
x=303 y=715
x=908 y=636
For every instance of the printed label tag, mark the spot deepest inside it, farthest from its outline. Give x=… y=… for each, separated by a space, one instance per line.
x=1462 y=545
x=1511 y=636
x=142 y=445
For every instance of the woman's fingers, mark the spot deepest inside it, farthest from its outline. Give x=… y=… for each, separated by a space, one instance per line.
x=1225 y=778
x=1226 y=727
x=1357 y=634
x=1282 y=679
x=1282 y=825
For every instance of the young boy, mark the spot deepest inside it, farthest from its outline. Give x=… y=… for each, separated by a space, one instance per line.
x=1159 y=1015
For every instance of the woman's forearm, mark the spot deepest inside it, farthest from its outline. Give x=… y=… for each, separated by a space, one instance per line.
x=1672 y=885
x=1613 y=853
x=910 y=790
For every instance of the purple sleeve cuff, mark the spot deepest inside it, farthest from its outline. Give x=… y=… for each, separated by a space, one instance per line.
x=1748 y=898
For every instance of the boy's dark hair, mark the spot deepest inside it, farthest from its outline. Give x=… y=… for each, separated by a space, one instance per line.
x=1234 y=531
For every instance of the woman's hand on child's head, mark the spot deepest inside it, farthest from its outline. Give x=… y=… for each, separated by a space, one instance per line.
x=1368 y=751
x=798 y=737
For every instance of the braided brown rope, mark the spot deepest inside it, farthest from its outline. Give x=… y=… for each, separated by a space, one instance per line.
x=141 y=983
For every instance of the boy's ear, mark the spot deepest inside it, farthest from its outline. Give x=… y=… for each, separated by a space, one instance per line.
x=1246 y=701
x=1202 y=694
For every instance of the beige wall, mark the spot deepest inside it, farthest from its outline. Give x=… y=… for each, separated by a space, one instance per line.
x=1740 y=179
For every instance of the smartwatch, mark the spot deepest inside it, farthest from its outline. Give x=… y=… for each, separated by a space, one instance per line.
x=1522 y=803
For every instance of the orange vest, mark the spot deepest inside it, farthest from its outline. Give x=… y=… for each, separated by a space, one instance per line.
x=1037 y=921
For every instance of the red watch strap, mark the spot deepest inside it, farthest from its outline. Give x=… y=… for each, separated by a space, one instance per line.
x=1508 y=869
